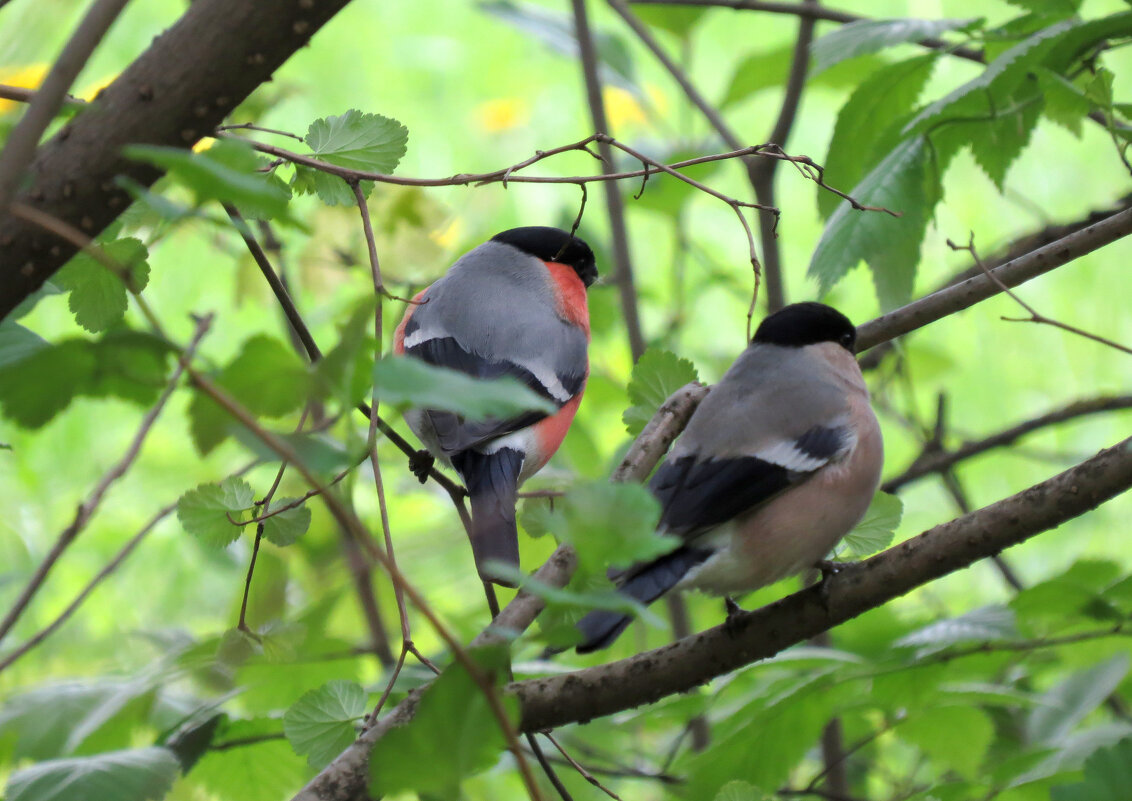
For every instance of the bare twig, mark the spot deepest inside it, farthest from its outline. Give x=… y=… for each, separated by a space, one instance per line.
x=585 y=774
x=19 y=94
x=614 y=205
x=1034 y=317
x=935 y=460
x=88 y=507
x=963 y=295
x=24 y=138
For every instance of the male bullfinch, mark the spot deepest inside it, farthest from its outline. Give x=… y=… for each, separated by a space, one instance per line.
x=776 y=465
x=514 y=306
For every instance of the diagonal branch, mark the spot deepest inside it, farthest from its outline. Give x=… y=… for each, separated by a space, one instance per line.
x=750 y=636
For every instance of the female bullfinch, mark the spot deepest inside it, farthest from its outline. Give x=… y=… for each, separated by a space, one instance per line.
x=515 y=305
x=776 y=465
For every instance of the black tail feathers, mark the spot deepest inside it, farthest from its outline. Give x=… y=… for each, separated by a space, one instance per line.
x=492 y=480
x=644 y=583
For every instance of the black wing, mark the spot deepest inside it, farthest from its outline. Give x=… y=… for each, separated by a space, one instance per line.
x=454 y=433
x=698 y=494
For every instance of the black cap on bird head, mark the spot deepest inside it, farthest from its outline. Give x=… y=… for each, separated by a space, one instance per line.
x=809 y=323
x=553 y=244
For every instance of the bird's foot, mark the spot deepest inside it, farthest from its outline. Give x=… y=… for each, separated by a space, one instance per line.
x=420 y=463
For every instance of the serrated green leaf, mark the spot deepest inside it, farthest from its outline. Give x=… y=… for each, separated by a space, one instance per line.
x=876 y=529
x=1051 y=8
x=356 y=141
x=286 y=527
x=1064 y=104
x=987 y=624
x=405 y=381
x=881 y=100
x=937 y=733
x=225 y=172
x=43 y=383
x=453 y=719
x=1001 y=77
x=1066 y=704
x=997 y=142
x=134 y=775
x=17 y=342
x=656 y=375
x=1108 y=775
x=890 y=245
x=869 y=36
x=204 y=510
x=260 y=769
x=609 y=525
x=98 y=296
x=265 y=377
x=124 y=364
x=321 y=723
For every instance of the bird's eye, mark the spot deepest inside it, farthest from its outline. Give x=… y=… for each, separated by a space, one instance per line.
x=847 y=339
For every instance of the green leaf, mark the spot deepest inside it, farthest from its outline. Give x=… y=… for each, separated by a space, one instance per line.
x=286 y=527
x=1065 y=104
x=53 y=720
x=1061 y=8
x=266 y=378
x=405 y=381
x=761 y=71
x=258 y=770
x=1108 y=775
x=17 y=342
x=204 y=511
x=356 y=141
x=656 y=375
x=454 y=733
x=609 y=525
x=43 y=383
x=890 y=246
x=956 y=737
x=97 y=294
x=883 y=99
x=1066 y=704
x=319 y=452
x=869 y=36
x=1001 y=77
x=321 y=723
x=679 y=21
x=742 y=791
x=997 y=142
x=876 y=529
x=134 y=775
x=225 y=172
x=987 y=624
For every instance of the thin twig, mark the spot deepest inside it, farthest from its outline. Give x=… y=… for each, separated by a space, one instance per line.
x=250 y=126
x=21 y=144
x=88 y=507
x=585 y=774
x=1034 y=317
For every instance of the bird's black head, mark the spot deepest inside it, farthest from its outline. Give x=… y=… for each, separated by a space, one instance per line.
x=808 y=323
x=553 y=244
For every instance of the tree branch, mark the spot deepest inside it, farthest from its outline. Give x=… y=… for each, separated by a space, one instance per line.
x=967 y=293
x=807 y=11
x=750 y=636
x=937 y=461
x=22 y=142
x=179 y=90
